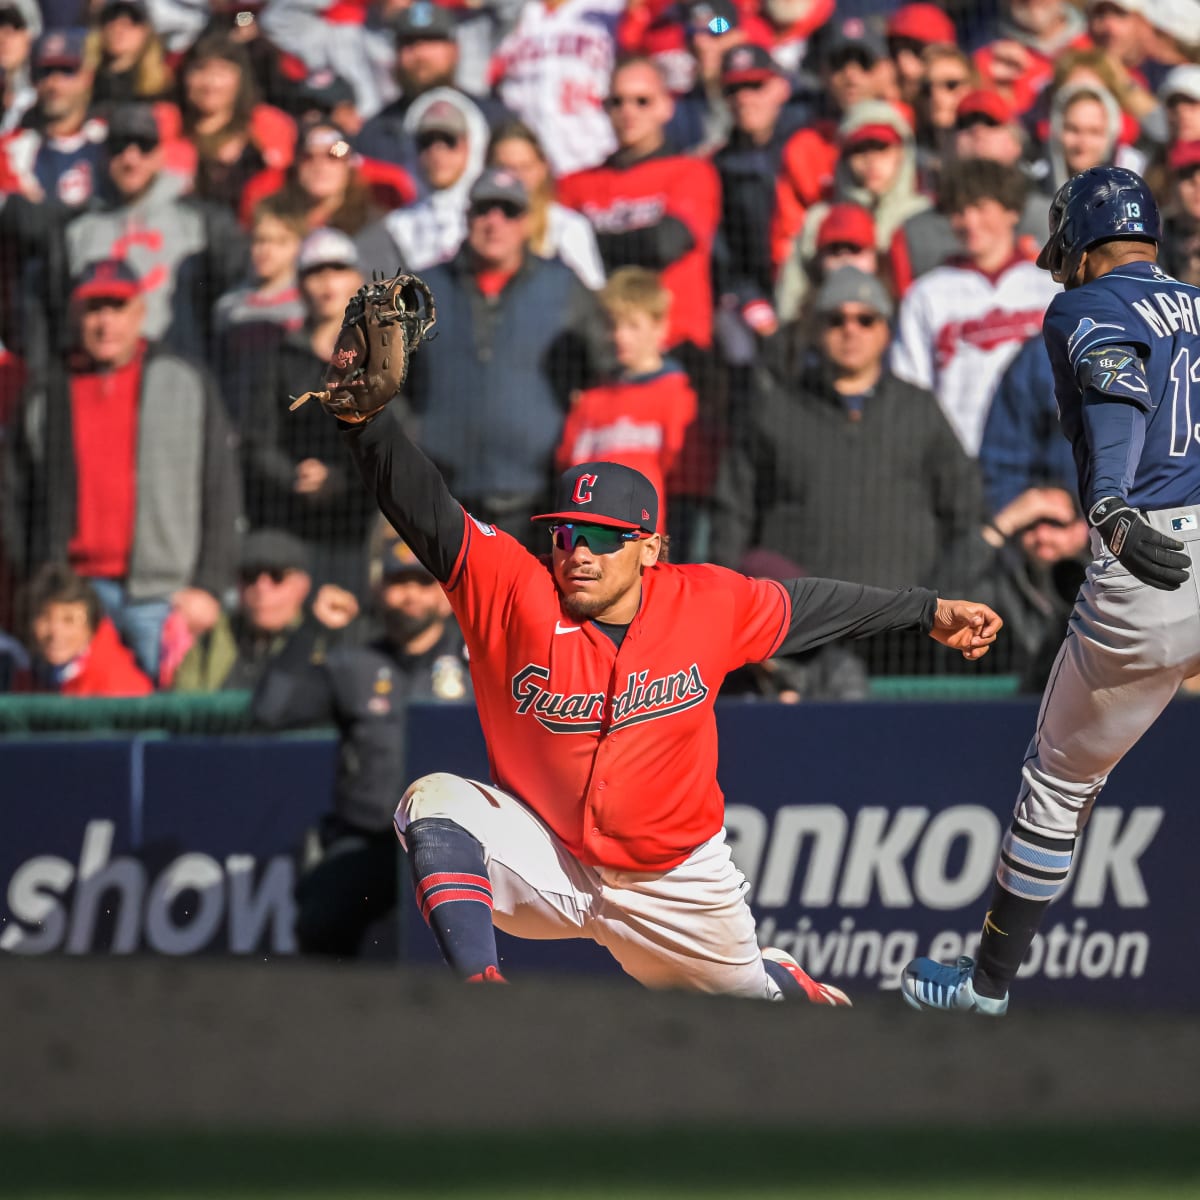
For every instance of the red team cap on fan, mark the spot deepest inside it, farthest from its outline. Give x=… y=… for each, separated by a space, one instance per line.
x=109 y=279
x=1183 y=156
x=982 y=103
x=846 y=225
x=605 y=493
x=922 y=23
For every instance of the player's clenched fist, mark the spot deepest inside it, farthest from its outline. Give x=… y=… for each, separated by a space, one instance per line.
x=965 y=625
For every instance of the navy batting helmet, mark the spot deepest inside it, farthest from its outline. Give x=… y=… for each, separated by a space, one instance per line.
x=1095 y=206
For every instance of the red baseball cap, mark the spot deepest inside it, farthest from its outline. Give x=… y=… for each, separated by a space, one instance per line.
x=747 y=63
x=847 y=225
x=1183 y=155
x=108 y=279
x=923 y=23
x=982 y=103
x=887 y=135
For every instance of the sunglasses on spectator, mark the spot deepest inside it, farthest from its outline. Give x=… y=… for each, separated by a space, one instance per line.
x=842 y=249
x=600 y=539
x=929 y=86
x=862 y=320
x=1053 y=522
x=844 y=58
x=744 y=85
x=613 y=102
x=437 y=137
x=11 y=19
x=249 y=575
x=506 y=208
x=974 y=120
x=119 y=145
x=40 y=73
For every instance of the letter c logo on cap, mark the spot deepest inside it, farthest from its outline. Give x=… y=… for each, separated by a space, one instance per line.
x=583 y=489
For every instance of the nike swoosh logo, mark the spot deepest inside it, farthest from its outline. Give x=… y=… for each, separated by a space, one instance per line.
x=559 y=627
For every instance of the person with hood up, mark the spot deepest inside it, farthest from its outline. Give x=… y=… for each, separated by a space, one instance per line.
x=452 y=139
x=877 y=170
x=1085 y=130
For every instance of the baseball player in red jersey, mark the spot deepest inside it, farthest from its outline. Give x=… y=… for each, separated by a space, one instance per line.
x=595 y=673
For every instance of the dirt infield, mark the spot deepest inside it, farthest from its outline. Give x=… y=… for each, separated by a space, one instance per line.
x=103 y=1044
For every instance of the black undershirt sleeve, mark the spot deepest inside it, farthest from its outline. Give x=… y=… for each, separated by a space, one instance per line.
x=410 y=491
x=826 y=609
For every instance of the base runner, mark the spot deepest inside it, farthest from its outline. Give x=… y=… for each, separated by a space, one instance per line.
x=595 y=672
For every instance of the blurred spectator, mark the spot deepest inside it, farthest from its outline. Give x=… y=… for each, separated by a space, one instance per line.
x=275 y=74
x=877 y=171
x=553 y=71
x=427 y=58
x=517 y=334
x=1175 y=30
x=651 y=206
x=348 y=37
x=332 y=184
x=845 y=238
x=1180 y=250
x=234 y=135
x=14 y=663
x=20 y=25
x=128 y=59
x=123 y=466
x=1031 y=34
x=793 y=25
x=364 y=691
x=1121 y=30
x=911 y=30
x=257 y=314
x=962 y=323
x=76 y=650
x=56 y=155
x=554 y=229
x=1085 y=131
x=1042 y=554
x=1087 y=64
x=451 y=138
x=271 y=618
x=948 y=76
x=985 y=128
x=1180 y=96
x=641 y=418
x=1023 y=445
x=702 y=120
x=842 y=467
x=185 y=252
x=747 y=166
x=327 y=97
x=854 y=67
x=298 y=475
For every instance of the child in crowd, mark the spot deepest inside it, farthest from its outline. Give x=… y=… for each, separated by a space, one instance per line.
x=642 y=418
x=76 y=649
x=250 y=319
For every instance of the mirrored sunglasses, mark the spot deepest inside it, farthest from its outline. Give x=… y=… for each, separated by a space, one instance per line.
x=600 y=539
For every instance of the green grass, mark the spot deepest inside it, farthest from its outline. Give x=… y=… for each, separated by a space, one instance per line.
x=1099 y=1164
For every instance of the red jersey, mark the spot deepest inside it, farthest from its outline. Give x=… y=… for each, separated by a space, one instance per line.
x=104 y=426
x=615 y=749
x=640 y=423
x=620 y=199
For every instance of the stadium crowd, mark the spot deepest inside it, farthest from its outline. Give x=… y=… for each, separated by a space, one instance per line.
x=776 y=254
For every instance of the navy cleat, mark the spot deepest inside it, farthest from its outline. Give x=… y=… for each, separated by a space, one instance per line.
x=945 y=988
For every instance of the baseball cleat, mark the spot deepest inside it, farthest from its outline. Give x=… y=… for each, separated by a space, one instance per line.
x=817 y=993
x=487 y=975
x=946 y=988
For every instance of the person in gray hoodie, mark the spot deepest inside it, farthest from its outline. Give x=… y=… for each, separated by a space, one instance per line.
x=1085 y=125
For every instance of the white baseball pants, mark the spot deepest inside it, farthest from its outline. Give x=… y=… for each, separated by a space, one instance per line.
x=688 y=927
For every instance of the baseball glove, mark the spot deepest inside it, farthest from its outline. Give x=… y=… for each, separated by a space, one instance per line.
x=383 y=325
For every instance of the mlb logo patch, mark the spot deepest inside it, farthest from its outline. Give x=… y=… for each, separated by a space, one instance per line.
x=1178 y=524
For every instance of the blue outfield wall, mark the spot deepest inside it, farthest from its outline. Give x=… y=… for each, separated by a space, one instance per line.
x=868 y=831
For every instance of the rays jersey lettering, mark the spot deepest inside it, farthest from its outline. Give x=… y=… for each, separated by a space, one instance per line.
x=1134 y=335
x=642 y=699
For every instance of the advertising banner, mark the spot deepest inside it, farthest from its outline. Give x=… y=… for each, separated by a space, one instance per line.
x=868 y=833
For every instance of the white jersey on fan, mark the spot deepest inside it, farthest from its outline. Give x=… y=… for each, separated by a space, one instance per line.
x=959 y=329
x=553 y=69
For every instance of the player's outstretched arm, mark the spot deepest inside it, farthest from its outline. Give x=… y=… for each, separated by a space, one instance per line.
x=965 y=625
